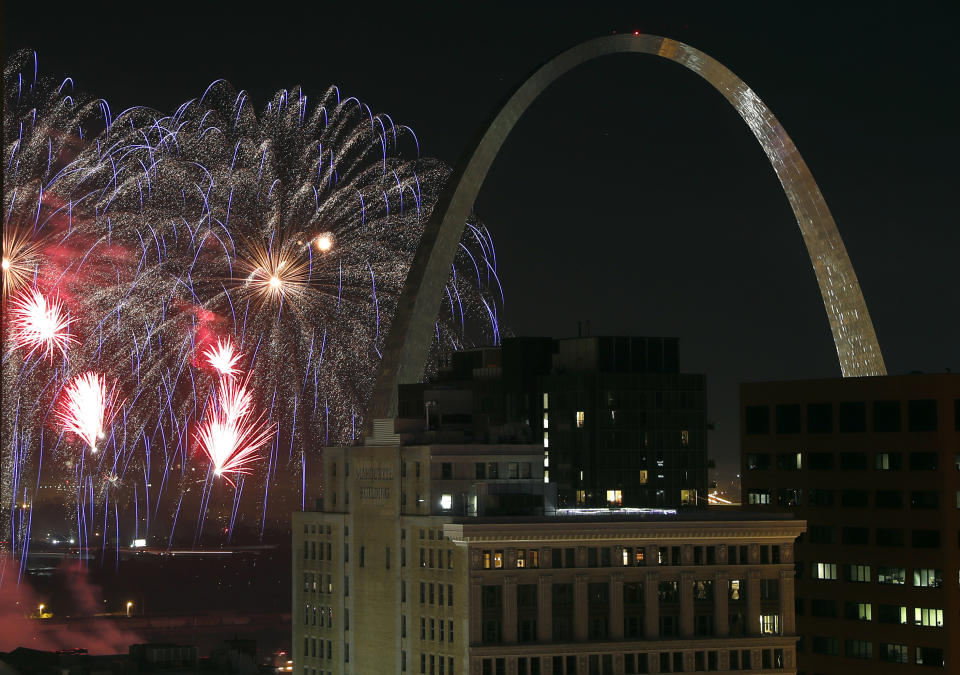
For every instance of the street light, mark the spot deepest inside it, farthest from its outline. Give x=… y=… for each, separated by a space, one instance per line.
x=129 y=605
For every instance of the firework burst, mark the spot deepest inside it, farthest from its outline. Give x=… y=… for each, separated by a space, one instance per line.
x=86 y=408
x=183 y=242
x=40 y=324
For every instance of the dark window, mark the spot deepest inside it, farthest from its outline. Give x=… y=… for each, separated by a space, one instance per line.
x=819 y=418
x=820 y=461
x=823 y=534
x=923 y=461
x=480 y=470
x=857 y=536
x=925 y=538
x=886 y=416
x=854 y=498
x=891 y=614
x=930 y=656
x=889 y=499
x=758 y=461
x=821 y=497
x=757 y=418
x=823 y=608
x=887 y=536
x=922 y=414
x=888 y=461
x=853 y=461
x=790 y=461
x=788 y=419
x=853 y=417
x=446 y=471
x=825 y=645
x=924 y=499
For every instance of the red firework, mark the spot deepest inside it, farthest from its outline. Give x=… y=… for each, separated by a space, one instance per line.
x=230 y=434
x=40 y=324
x=223 y=357
x=86 y=407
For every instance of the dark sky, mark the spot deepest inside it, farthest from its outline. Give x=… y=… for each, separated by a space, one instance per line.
x=630 y=194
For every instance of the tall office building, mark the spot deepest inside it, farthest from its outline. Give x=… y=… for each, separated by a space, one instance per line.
x=451 y=559
x=873 y=465
x=620 y=424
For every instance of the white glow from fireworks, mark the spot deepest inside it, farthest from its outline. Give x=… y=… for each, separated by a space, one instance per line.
x=40 y=324
x=86 y=408
x=231 y=434
x=325 y=242
x=223 y=357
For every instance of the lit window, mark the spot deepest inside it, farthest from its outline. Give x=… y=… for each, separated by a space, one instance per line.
x=928 y=617
x=581 y=496
x=927 y=578
x=446 y=502
x=891 y=575
x=769 y=624
x=546 y=400
x=734 y=589
x=639 y=555
x=684 y=438
x=579 y=419
x=826 y=571
x=521 y=558
x=688 y=497
x=546 y=475
x=643 y=476
x=626 y=557
x=546 y=439
x=614 y=497
x=546 y=420
x=497 y=559
x=858 y=573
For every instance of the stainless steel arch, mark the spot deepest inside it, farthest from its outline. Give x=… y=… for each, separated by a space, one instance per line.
x=405 y=351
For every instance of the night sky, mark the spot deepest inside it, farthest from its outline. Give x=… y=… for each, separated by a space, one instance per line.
x=630 y=195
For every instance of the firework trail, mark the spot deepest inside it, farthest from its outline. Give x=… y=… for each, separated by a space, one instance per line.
x=188 y=249
x=87 y=407
x=40 y=324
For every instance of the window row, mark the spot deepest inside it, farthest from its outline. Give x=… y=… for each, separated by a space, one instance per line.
x=436 y=631
x=866 y=611
x=430 y=593
x=318 y=616
x=436 y=664
x=639 y=663
x=923 y=577
x=845 y=461
x=428 y=559
x=627 y=556
x=888 y=652
x=846 y=417
x=314 y=648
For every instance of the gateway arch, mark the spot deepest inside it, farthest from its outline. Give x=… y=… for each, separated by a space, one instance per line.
x=407 y=345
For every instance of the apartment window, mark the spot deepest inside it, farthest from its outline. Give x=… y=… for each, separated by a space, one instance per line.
x=823 y=608
x=858 y=611
x=854 y=498
x=891 y=575
x=923 y=461
x=480 y=470
x=928 y=617
x=758 y=496
x=450 y=596
x=922 y=415
x=853 y=461
x=889 y=499
x=820 y=461
x=823 y=534
x=886 y=416
x=498 y=560
x=930 y=656
x=858 y=536
x=889 y=537
x=852 y=417
x=859 y=573
x=446 y=501
x=825 y=571
x=788 y=419
x=859 y=649
x=446 y=471
x=758 y=461
x=927 y=578
x=361 y=556
x=757 y=419
x=888 y=461
x=769 y=624
x=819 y=418
x=924 y=499
x=893 y=653
x=829 y=646
x=579 y=419
x=896 y=614
x=790 y=461
x=417 y=469
x=925 y=538
x=821 y=497
x=493 y=472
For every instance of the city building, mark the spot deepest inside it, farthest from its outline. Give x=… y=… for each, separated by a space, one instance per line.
x=619 y=422
x=451 y=559
x=872 y=464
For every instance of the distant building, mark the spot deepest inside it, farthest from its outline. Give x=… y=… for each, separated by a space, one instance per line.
x=394 y=574
x=873 y=465
x=621 y=426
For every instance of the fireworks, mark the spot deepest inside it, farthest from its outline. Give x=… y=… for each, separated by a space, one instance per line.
x=223 y=357
x=87 y=407
x=179 y=244
x=231 y=435
x=40 y=324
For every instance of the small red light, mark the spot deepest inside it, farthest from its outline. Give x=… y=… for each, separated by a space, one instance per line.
x=636 y=32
